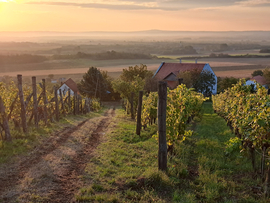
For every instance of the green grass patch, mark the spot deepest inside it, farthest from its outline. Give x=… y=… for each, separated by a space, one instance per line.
x=23 y=143
x=124 y=168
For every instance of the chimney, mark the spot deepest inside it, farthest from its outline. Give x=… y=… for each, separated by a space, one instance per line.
x=180 y=60
x=196 y=60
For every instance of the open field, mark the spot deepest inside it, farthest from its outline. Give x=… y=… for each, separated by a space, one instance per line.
x=242 y=67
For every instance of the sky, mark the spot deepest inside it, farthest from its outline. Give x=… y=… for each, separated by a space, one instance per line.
x=134 y=15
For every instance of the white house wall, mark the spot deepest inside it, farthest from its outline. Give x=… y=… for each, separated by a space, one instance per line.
x=64 y=88
x=207 y=68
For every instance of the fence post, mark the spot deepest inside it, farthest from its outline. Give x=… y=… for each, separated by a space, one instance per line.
x=23 y=110
x=139 y=114
x=162 y=103
x=131 y=105
x=5 y=120
x=35 y=110
x=44 y=100
x=56 y=104
x=62 y=102
x=78 y=104
x=75 y=103
x=69 y=101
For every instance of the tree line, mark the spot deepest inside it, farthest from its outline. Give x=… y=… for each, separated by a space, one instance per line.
x=108 y=55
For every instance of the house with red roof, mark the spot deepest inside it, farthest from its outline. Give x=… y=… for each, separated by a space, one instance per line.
x=259 y=79
x=169 y=72
x=68 y=84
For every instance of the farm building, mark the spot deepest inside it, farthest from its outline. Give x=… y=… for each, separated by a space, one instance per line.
x=259 y=79
x=169 y=72
x=68 y=84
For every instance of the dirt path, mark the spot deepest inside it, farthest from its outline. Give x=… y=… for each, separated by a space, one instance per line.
x=51 y=172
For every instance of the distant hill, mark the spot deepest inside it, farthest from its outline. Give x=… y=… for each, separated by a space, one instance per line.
x=152 y=34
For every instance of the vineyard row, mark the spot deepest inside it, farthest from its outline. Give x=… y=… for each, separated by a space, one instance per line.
x=40 y=106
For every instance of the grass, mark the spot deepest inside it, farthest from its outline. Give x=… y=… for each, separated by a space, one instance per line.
x=23 y=143
x=124 y=167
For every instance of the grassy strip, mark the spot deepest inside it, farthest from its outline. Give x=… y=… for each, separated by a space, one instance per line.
x=23 y=143
x=222 y=177
x=124 y=167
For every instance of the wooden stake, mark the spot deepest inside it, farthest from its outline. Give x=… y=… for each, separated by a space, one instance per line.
x=56 y=104
x=23 y=110
x=131 y=105
x=45 y=101
x=5 y=121
x=75 y=103
x=69 y=101
x=162 y=103
x=62 y=103
x=35 y=109
x=139 y=113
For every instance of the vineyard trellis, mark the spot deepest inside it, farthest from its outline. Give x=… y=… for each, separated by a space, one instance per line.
x=182 y=104
x=22 y=106
x=248 y=115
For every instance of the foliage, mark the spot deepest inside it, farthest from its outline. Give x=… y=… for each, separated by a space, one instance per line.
x=95 y=104
x=248 y=115
x=131 y=72
x=182 y=105
x=266 y=74
x=225 y=83
x=201 y=81
x=257 y=72
x=125 y=88
x=93 y=84
x=149 y=108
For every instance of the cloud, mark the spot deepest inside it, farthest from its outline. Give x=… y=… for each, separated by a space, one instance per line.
x=249 y=3
x=122 y=6
x=166 y=5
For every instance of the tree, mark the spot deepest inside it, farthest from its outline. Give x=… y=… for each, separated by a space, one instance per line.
x=266 y=74
x=141 y=71
x=125 y=88
x=130 y=73
x=225 y=83
x=201 y=81
x=257 y=72
x=93 y=84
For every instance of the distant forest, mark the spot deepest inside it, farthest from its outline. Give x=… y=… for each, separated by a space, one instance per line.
x=265 y=50
x=21 y=58
x=109 y=55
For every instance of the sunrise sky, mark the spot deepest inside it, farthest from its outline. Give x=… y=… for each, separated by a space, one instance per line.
x=134 y=15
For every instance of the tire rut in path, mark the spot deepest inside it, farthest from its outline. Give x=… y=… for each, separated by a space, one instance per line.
x=11 y=177
x=68 y=182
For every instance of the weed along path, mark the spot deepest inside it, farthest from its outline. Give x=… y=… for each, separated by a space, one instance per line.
x=51 y=173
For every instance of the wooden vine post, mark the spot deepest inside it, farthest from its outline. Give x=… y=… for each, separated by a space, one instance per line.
x=139 y=114
x=69 y=101
x=56 y=104
x=75 y=103
x=62 y=102
x=162 y=104
x=131 y=105
x=35 y=109
x=44 y=100
x=5 y=120
x=23 y=109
